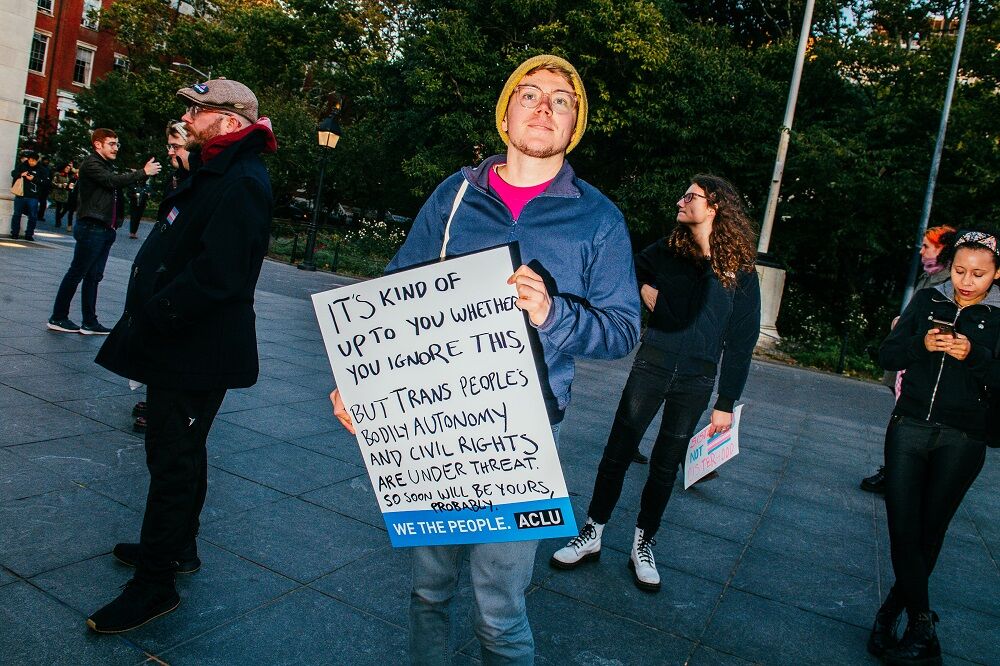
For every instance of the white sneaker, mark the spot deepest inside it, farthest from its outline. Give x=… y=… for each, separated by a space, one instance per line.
x=584 y=547
x=642 y=564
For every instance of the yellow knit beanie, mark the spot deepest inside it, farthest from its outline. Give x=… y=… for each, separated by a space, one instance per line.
x=534 y=63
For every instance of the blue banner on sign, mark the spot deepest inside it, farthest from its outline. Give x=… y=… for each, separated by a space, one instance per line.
x=521 y=521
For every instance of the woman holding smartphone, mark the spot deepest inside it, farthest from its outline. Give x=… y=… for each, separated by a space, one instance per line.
x=936 y=444
x=700 y=286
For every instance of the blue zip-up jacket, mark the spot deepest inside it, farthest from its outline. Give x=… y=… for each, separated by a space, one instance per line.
x=572 y=236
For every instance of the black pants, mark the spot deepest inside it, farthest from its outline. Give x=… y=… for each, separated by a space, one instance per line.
x=928 y=470
x=138 y=206
x=684 y=399
x=177 y=428
x=61 y=210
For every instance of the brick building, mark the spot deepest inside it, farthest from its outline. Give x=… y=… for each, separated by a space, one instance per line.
x=68 y=53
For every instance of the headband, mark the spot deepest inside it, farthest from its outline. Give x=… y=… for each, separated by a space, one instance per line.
x=978 y=238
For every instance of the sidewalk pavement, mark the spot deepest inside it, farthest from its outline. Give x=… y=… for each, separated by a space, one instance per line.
x=782 y=560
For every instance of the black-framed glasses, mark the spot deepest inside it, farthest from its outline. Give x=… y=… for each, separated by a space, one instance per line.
x=560 y=101
x=688 y=197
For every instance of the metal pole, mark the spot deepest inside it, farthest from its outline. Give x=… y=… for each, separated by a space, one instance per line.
x=925 y=213
x=307 y=263
x=786 y=130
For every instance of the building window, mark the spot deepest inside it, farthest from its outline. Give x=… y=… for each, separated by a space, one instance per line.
x=91 y=13
x=83 y=66
x=121 y=63
x=45 y=6
x=36 y=60
x=29 y=127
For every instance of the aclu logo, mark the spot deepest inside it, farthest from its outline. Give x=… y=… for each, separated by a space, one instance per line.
x=543 y=518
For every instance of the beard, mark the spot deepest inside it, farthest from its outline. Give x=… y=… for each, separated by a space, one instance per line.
x=198 y=139
x=540 y=152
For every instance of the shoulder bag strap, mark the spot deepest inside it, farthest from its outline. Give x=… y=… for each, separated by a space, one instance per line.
x=454 y=207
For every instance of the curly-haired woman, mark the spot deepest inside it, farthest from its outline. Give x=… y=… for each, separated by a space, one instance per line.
x=701 y=289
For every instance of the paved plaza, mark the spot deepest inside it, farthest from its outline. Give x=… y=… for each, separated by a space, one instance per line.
x=782 y=560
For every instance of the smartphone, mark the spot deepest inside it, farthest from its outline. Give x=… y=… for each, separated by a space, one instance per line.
x=944 y=327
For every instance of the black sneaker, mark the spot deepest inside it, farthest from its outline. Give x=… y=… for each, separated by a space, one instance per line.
x=128 y=554
x=639 y=459
x=29 y=238
x=62 y=325
x=94 y=329
x=15 y=236
x=138 y=603
x=875 y=483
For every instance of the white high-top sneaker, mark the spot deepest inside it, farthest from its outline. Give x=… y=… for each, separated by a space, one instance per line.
x=642 y=564
x=584 y=547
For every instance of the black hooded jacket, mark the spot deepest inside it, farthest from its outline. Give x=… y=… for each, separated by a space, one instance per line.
x=939 y=388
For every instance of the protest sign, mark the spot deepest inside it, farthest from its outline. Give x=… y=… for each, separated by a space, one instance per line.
x=706 y=453
x=436 y=369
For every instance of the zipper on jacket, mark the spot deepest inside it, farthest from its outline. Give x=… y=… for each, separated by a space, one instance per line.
x=937 y=381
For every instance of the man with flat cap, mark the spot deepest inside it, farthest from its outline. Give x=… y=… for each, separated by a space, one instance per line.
x=188 y=332
x=576 y=284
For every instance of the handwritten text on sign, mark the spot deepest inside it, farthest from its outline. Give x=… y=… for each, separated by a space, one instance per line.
x=706 y=453
x=435 y=367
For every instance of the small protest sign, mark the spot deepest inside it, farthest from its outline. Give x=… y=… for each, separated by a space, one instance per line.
x=435 y=366
x=706 y=453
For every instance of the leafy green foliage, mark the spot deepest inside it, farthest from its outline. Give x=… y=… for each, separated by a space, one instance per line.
x=675 y=87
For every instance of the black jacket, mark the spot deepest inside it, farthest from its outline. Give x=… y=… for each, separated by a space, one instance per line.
x=33 y=187
x=189 y=317
x=938 y=387
x=696 y=318
x=100 y=190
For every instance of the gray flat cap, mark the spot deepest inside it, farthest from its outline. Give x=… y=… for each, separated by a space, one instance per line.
x=222 y=94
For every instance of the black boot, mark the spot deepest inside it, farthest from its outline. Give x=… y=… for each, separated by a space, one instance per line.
x=919 y=645
x=138 y=603
x=883 y=636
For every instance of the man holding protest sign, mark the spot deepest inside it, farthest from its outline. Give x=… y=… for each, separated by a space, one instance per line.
x=575 y=282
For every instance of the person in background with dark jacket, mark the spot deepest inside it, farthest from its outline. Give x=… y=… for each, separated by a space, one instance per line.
x=25 y=203
x=935 y=256
x=188 y=333
x=138 y=195
x=74 y=197
x=44 y=180
x=701 y=288
x=180 y=156
x=945 y=340
x=101 y=213
x=62 y=182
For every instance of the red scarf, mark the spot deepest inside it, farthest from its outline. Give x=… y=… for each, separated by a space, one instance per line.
x=217 y=144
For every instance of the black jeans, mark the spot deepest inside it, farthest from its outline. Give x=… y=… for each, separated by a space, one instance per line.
x=90 y=256
x=928 y=470
x=137 y=207
x=684 y=399
x=178 y=422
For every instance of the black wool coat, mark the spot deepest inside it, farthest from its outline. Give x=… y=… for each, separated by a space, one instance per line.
x=189 y=317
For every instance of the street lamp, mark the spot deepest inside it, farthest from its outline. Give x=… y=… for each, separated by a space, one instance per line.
x=327 y=135
x=207 y=77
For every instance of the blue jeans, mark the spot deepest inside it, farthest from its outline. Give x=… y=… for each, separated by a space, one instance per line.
x=93 y=243
x=684 y=399
x=24 y=206
x=501 y=572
